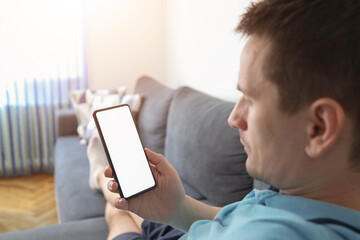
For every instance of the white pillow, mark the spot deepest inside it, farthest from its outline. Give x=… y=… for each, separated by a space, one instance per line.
x=82 y=101
x=133 y=100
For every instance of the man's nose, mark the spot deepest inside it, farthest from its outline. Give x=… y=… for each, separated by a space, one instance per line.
x=237 y=119
x=231 y=121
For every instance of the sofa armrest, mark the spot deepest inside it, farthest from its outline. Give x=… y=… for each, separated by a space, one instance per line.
x=66 y=123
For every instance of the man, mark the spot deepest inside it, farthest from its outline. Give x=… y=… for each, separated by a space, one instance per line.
x=299 y=121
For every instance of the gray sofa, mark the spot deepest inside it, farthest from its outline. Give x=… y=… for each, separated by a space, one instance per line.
x=190 y=128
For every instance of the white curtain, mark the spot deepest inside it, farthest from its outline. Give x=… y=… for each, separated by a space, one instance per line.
x=42 y=58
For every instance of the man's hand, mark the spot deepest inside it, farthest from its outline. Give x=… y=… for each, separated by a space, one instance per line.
x=161 y=204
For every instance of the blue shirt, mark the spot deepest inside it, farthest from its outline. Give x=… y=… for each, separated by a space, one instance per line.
x=270 y=215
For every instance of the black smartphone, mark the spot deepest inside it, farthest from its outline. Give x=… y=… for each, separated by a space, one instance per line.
x=124 y=150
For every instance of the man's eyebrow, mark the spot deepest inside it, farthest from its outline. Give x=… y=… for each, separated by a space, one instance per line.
x=243 y=90
x=239 y=88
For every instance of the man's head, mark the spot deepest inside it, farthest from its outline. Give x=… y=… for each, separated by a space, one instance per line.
x=300 y=71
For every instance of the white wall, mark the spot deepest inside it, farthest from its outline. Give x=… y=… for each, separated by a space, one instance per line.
x=178 y=42
x=125 y=39
x=203 y=50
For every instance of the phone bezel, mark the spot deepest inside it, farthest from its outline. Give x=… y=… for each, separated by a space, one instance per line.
x=108 y=155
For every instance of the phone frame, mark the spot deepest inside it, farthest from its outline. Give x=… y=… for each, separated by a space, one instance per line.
x=108 y=155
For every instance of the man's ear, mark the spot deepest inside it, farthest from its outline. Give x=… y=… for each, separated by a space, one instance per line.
x=327 y=121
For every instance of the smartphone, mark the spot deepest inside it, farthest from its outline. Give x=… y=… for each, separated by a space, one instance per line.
x=124 y=150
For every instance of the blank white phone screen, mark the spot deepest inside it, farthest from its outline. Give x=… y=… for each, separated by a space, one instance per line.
x=125 y=150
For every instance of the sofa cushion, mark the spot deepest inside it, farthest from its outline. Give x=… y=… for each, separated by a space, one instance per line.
x=153 y=113
x=89 y=229
x=204 y=149
x=75 y=200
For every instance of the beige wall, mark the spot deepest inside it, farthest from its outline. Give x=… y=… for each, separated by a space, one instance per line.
x=178 y=42
x=125 y=39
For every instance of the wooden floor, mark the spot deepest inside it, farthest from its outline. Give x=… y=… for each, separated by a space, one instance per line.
x=27 y=202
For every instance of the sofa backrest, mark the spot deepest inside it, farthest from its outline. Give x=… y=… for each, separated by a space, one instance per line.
x=190 y=128
x=152 y=117
x=204 y=149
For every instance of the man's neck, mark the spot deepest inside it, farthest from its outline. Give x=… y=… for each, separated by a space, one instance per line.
x=342 y=193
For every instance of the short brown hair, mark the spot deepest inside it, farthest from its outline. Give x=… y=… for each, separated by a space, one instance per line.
x=315 y=52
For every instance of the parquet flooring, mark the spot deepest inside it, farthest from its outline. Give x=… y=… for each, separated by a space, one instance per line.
x=27 y=202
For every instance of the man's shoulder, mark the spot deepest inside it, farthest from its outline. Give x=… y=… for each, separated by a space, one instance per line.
x=267 y=213
x=258 y=225
x=270 y=215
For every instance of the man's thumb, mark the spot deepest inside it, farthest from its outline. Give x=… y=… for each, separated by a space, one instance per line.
x=156 y=159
